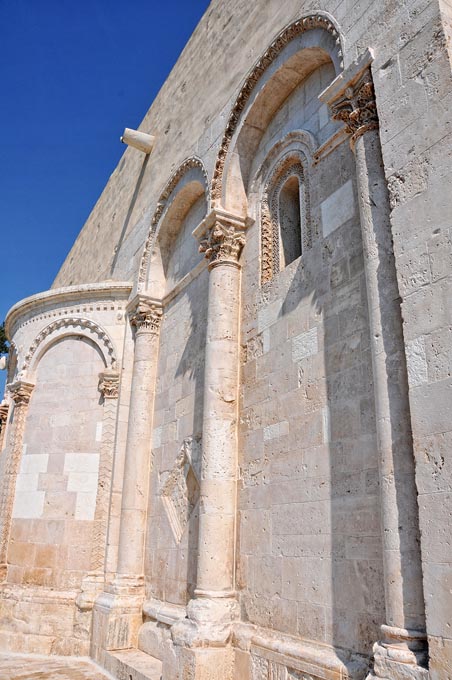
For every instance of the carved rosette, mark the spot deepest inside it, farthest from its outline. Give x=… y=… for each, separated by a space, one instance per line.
x=357 y=107
x=146 y=315
x=223 y=239
x=109 y=384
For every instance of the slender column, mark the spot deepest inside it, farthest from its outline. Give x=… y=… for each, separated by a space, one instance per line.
x=95 y=579
x=211 y=612
x=145 y=316
x=117 y=611
x=402 y=652
x=20 y=392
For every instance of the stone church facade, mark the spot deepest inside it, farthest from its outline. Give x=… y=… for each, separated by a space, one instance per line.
x=226 y=436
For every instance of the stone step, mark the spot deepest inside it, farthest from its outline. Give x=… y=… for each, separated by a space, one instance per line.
x=132 y=664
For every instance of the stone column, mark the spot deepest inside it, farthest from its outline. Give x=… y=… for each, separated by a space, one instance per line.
x=214 y=608
x=402 y=652
x=94 y=581
x=117 y=612
x=20 y=392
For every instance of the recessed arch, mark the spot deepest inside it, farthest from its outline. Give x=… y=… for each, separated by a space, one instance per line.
x=66 y=327
x=188 y=183
x=295 y=53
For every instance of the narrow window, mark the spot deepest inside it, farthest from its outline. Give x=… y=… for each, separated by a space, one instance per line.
x=290 y=221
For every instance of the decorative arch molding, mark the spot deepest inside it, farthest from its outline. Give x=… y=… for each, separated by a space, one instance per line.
x=192 y=163
x=65 y=327
x=294 y=30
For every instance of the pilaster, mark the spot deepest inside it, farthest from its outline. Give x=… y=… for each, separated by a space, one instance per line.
x=20 y=392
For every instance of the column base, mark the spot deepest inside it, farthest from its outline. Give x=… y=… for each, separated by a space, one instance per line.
x=117 y=616
x=206 y=664
x=402 y=655
x=92 y=585
x=208 y=623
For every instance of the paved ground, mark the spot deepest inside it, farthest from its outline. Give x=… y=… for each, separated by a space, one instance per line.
x=15 y=667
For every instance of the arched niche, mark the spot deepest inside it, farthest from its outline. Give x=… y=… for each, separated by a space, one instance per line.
x=65 y=328
x=300 y=49
x=170 y=251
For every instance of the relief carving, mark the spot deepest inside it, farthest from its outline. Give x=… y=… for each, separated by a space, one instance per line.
x=357 y=108
x=180 y=493
x=146 y=316
x=109 y=384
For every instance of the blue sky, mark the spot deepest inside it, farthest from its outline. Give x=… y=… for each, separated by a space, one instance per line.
x=74 y=73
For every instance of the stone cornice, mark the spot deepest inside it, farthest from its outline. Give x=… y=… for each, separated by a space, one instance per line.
x=145 y=313
x=221 y=236
x=70 y=294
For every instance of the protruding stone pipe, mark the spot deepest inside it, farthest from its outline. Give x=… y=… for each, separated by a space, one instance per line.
x=139 y=140
x=402 y=653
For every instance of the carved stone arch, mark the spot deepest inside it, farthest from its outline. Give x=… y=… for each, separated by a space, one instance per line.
x=66 y=327
x=190 y=171
x=296 y=52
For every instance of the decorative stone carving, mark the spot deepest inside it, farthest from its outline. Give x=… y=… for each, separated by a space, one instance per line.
x=223 y=237
x=146 y=315
x=20 y=392
x=180 y=492
x=109 y=384
x=357 y=107
x=174 y=180
x=4 y=410
x=78 y=324
x=280 y=42
x=293 y=164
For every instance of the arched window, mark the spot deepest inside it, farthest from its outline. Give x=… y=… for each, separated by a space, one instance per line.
x=285 y=221
x=289 y=218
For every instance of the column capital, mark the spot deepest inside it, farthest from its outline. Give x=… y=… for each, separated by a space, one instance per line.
x=20 y=392
x=145 y=314
x=109 y=383
x=221 y=237
x=351 y=98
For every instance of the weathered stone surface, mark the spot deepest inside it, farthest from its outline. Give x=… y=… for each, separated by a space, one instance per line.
x=241 y=462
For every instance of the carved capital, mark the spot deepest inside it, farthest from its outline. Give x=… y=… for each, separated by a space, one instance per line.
x=21 y=392
x=357 y=108
x=145 y=314
x=351 y=98
x=221 y=237
x=109 y=384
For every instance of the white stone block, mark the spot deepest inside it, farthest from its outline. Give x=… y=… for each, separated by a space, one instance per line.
x=338 y=208
x=266 y=341
x=34 y=463
x=29 y=505
x=81 y=462
x=85 y=505
x=157 y=437
x=305 y=345
x=82 y=481
x=27 y=482
x=99 y=431
x=276 y=430
x=268 y=315
x=416 y=359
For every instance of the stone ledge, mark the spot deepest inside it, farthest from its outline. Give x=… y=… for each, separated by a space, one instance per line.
x=132 y=664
